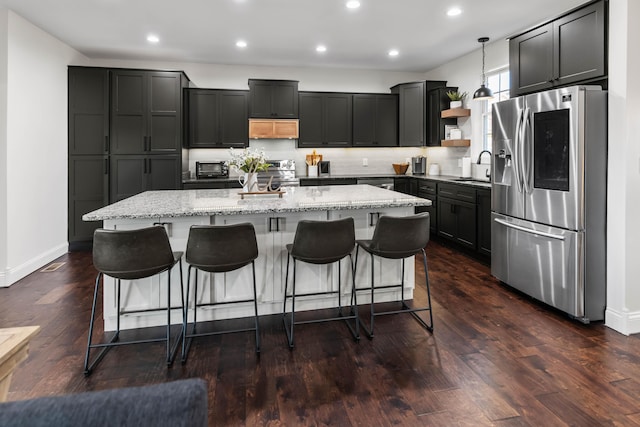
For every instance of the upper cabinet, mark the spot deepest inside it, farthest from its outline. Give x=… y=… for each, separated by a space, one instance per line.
x=273 y=129
x=571 y=49
x=414 y=111
x=325 y=119
x=146 y=111
x=438 y=101
x=273 y=99
x=375 y=120
x=217 y=118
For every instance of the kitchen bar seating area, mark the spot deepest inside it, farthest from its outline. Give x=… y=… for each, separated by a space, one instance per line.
x=221 y=233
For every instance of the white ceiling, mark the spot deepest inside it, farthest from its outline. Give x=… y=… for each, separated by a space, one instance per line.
x=285 y=32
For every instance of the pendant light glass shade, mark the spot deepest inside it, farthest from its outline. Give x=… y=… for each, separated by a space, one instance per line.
x=484 y=92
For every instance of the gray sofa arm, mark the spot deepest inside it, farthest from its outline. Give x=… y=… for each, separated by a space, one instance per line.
x=178 y=403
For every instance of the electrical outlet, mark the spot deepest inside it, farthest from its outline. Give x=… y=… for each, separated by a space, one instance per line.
x=365 y=161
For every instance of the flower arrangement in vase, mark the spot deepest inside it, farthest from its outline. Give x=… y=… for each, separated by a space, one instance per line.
x=456 y=98
x=248 y=163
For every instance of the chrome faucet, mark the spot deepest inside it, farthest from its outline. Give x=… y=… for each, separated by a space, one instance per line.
x=487 y=173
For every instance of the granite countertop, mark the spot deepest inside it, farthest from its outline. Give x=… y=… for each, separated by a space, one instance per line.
x=184 y=203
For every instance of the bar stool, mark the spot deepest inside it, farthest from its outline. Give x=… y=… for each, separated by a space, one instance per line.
x=321 y=242
x=130 y=255
x=219 y=249
x=398 y=238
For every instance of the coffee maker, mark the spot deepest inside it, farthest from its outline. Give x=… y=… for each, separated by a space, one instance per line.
x=419 y=165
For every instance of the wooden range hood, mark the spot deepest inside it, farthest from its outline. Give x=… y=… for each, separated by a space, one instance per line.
x=273 y=128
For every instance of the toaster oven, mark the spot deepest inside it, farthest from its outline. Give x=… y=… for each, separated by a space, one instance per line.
x=211 y=170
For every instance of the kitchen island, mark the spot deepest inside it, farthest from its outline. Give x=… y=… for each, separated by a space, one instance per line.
x=275 y=220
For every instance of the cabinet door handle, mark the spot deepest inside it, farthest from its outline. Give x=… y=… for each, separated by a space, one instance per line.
x=106 y=143
x=106 y=166
x=148 y=143
x=149 y=166
x=144 y=166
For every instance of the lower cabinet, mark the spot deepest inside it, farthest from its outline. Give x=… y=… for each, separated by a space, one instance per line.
x=88 y=191
x=209 y=185
x=457 y=221
x=428 y=190
x=307 y=182
x=457 y=214
x=133 y=174
x=484 y=221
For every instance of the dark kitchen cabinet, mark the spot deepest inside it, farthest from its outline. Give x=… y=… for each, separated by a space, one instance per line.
x=457 y=214
x=273 y=99
x=375 y=120
x=427 y=189
x=146 y=113
x=325 y=119
x=438 y=101
x=405 y=185
x=413 y=110
x=568 y=50
x=116 y=115
x=88 y=145
x=218 y=118
x=210 y=185
x=306 y=182
x=484 y=221
x=133 y=174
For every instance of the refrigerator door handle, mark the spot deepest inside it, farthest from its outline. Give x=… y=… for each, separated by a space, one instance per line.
x=529 y=230
x=526 y=154
x=516 y=152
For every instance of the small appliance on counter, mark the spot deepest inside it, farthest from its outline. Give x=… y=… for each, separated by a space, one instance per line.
x=324 y=168
x=206 y=170
x=419 y=165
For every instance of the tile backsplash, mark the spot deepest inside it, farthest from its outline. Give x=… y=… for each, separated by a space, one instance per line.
x=346 y=161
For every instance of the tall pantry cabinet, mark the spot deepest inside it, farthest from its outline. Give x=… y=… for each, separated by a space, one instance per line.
x=125 y=137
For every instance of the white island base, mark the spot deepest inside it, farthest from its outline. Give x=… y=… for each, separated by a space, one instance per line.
x=273 y=231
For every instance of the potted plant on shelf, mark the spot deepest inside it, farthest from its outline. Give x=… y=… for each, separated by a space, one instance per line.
x=456 y=98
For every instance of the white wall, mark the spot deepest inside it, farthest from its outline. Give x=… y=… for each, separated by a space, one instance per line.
x=4 y=25
x=466 y=73
x=36 y=148
x=623 y=228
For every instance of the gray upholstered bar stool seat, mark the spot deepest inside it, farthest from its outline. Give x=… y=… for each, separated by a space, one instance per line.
x=321 y=242
x=398 y=238
x=219 y=249
x=131 y=255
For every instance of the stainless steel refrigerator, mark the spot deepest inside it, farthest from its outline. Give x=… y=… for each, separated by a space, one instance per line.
x=548 y=198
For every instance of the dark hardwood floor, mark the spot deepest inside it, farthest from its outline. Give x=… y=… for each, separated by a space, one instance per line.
x=495 y=358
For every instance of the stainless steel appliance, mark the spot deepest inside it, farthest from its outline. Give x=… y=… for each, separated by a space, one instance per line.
x=212 y=170
x=281 y=173
x=419 y=165
x=324 y=168
x=549 y=198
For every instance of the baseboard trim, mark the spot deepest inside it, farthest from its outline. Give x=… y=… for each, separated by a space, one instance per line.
x=12 y=275
x=626 y=323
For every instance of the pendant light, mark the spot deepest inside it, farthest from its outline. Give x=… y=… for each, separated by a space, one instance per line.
x=484 y=92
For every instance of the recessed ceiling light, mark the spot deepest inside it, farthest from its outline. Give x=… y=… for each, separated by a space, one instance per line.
x=152 y=38
x=321 y=48
x=353 y=4
x=454 y=11
x=241 y=43
x=394 y=52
